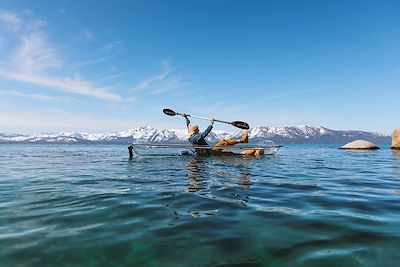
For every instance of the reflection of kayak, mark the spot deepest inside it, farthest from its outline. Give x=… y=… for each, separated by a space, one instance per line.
x=258 y=149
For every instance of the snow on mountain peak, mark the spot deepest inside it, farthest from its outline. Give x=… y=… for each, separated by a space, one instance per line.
x=301 y=133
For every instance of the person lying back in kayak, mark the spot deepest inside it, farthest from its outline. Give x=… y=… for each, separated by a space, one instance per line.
x=198 y=139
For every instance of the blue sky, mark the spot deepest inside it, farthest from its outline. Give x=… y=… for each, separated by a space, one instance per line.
x=101 y=66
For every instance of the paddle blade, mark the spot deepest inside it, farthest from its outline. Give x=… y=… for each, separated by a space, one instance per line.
x=240 y=124
x=169 y=112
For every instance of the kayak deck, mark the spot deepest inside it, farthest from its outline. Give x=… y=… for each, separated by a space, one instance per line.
x=188 y=149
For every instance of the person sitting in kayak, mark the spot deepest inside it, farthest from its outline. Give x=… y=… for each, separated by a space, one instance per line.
x=195 y=137
x=198 y=139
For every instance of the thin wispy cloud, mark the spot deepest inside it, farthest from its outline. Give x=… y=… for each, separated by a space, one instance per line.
x=30 y=96
x=35 y=55
x=93 y=61
x=37 y=24
x=105 y=53
x=166 y=70
x=40 y=97
x=35 y=61
x=66 y=84
x=165 y=81
x=111 y=76
x=10 y=20
x=32 y=21
x=173 y=83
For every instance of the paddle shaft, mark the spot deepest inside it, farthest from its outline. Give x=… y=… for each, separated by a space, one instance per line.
x=202 y=118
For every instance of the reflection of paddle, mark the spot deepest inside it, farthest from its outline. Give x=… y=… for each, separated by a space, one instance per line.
x=239 y=124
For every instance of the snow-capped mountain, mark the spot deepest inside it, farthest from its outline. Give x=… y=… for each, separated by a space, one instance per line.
x=313 y=134
x=278 y=134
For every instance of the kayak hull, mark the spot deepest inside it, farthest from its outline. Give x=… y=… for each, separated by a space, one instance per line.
x=150 y=149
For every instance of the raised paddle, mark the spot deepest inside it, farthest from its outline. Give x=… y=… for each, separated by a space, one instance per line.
x=239 y=124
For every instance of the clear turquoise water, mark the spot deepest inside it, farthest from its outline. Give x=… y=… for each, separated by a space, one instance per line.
x=88 y=205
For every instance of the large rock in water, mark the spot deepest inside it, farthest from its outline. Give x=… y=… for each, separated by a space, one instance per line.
x=396 y=139
x=360 y=144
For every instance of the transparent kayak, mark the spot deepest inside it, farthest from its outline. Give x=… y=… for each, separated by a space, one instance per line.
x=251 y=149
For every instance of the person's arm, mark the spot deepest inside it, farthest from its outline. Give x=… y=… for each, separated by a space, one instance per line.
x=187 y=120
x=208 y=130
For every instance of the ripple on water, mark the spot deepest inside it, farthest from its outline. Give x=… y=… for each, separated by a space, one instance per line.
x=87 y=205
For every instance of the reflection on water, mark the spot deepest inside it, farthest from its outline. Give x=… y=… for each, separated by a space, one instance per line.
x=245 y=180
x=196 y=169
x=361 y=151
x=241 y=164
x=396 y=153
x=396 y=164
x=201 y=171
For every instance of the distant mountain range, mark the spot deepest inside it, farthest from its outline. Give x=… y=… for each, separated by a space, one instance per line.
x=280 y=135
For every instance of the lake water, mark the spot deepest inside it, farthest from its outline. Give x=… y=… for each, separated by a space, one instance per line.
x=88 y=205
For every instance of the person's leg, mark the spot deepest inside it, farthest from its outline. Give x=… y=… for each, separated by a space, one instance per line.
x=248 y=152
x=227 y=143
x=253 y=152
x=259 y=152
x=243 y=139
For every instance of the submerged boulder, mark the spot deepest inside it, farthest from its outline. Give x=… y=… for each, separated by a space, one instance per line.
x=396 y=139
x=360 y=144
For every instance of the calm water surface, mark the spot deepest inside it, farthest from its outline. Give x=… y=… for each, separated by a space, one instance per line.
x=88 y=205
